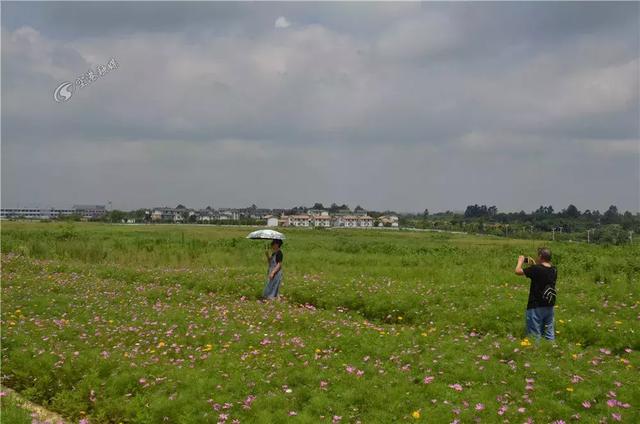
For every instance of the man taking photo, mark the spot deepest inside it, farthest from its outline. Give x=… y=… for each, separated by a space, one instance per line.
x=542 y=293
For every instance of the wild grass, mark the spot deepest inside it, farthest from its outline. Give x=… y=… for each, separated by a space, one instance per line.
x=163 y=324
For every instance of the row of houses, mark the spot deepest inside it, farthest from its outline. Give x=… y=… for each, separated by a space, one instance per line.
x=84 y=211
x=324 y=220
x=297 y=217
x=165 y=214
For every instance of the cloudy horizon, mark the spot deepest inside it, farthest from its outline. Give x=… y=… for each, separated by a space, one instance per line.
x=389 y=106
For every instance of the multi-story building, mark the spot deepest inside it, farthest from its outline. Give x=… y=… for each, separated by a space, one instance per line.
x=323 y=220
x=90 y=211
x=299 y=220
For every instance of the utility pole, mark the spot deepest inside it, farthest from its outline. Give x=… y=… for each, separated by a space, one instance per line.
x=631 y=237
x=588 y=235
x=553 y=233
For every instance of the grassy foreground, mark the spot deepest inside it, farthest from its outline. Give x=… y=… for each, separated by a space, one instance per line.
x=152 y=324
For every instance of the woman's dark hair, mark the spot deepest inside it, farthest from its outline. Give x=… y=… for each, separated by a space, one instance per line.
x=278 y=242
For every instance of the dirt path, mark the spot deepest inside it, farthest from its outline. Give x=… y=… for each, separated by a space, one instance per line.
x=37 y=412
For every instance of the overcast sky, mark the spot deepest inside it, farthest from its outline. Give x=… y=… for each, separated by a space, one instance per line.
x=390 y=106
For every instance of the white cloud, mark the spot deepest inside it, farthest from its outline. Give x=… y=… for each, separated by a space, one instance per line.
x=282 y=22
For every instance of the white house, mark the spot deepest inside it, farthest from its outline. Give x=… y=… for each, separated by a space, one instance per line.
x=272 y=221
x=388 y=221
x=365 y=221
x=300 y=220
x=323 y=220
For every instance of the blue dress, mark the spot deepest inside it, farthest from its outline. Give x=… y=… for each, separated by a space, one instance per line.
x=273 y=285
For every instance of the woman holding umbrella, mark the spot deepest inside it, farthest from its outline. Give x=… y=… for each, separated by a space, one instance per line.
x=274 y=259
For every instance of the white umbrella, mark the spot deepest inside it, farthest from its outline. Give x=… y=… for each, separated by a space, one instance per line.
x=266 y=235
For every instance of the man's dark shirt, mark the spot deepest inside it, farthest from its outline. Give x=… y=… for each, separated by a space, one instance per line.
x=541 y=277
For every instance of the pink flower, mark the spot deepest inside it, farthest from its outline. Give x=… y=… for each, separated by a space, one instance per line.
x=485 y=357
x=616 y=417
x=248 y=401
x=336 y=419
x=479 y=406
x=612 y=403
x=457 y=387
x=428 y=379
x=292 y=413
x=586 y=404
x=3 y=393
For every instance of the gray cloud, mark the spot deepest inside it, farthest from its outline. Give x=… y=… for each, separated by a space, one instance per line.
x=401 y=106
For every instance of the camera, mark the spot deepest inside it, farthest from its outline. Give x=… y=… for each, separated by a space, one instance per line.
x=526 y=260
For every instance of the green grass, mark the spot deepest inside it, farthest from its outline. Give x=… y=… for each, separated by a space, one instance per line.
x=11 y=412
x=163 y=324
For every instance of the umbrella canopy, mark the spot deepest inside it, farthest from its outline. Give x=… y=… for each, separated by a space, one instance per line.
x=266 y=234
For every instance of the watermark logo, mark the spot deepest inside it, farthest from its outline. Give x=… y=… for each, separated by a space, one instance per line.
x=64 y=91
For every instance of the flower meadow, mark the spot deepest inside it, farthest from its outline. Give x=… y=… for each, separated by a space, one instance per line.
x=163 y=324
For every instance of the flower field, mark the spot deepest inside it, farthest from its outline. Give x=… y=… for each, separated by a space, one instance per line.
x=163 y=324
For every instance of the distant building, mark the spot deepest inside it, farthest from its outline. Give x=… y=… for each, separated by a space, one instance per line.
x=299 y=220
x=87 y=212
x=323 y=220
x=388 y=221
x=272 y=221
x=90 y=211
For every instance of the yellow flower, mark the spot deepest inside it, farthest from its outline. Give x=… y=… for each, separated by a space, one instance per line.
x=317 y=350
x=424 y=334
x=399 y=318
x=415 y=414
x=525 y=342
x=18 y=311
x=207 y=348
x=161 y=344
x=616 y=322
x=574 y=356
x=569 y=389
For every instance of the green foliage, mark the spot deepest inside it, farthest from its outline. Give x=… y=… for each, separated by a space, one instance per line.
x=151 y=324
x=12 y=413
